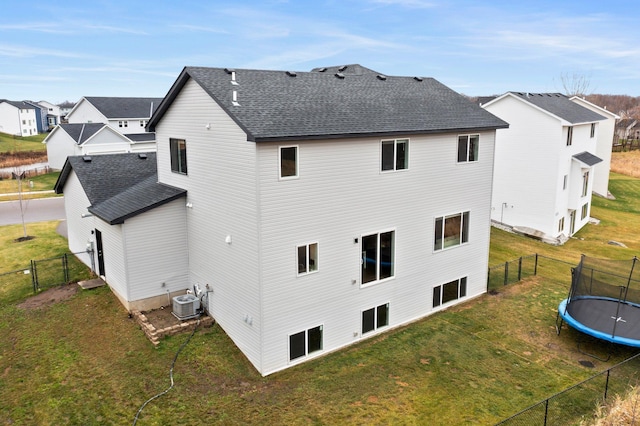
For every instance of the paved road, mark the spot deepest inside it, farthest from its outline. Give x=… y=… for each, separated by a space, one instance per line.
x=37 y=210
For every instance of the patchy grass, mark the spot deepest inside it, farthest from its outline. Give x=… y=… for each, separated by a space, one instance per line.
x=475 y=363
x=12 y=144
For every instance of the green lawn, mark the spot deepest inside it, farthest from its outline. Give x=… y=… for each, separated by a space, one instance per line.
x=86 y=362
x=9 y=143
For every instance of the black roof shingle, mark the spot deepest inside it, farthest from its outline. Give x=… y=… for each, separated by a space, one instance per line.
x=560 y=106
x=114 y=107
x=354 y=102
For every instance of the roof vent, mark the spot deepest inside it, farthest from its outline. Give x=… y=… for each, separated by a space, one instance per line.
x=142 y=156
x=340 y=75
x=342 y=68
x=382 y=77
x=322 y=70
x=234 y=98
x=229 y=70
x=86 y=159
x=417 y=78
x=291 y=73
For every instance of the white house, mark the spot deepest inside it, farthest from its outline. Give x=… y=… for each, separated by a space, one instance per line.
x=125 y=115
x=604 y=144
x=321 y=208
x=544 y=163
x=53 y=113
x=83 y=139
x=18 y=118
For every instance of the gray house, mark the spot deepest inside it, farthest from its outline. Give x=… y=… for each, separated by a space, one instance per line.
x=321 y=207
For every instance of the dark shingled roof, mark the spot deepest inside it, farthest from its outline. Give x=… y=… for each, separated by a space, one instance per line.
x=81 y=132
x=119 y=186
x=279 y=105
x=113 y=108
x=588 y=158
x=18 y=104
x=141 y=137
x=560 y=106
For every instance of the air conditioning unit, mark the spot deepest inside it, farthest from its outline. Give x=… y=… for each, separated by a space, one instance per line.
x=186 y=306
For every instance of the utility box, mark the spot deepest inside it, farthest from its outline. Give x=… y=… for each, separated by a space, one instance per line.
x=186 y=306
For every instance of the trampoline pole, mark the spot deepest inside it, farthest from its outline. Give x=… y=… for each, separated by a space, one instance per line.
x=630 y=276
x=615 y=320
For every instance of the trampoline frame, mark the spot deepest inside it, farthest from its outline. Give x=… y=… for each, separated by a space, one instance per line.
x=596 y=310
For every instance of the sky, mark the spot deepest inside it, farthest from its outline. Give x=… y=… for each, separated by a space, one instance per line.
x=57 y=51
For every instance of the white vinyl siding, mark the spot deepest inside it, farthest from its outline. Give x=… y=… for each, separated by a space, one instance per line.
x=156 y=251
x=222 y=194
x=310 y=208
x=78 y=228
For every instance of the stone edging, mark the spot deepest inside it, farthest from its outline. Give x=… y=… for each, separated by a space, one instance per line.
x=154 y=334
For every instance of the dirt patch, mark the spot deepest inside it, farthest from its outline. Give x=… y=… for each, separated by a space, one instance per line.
x=50 y=297
x=162 y=318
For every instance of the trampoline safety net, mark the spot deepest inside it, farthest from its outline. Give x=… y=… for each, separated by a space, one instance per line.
x=610 y=279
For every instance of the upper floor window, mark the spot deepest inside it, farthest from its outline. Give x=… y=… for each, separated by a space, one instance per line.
x=123 y=123
x=395 y=154
x=593 y=130
x=178 y=148
x=307 y=258
x=377 y=257
x=585 y=183
x=451 y=230
x=468 y=146
x=569 y=135
x=288 y=162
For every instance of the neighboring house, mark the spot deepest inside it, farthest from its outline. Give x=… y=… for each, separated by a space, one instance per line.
x=628 y=128
x=83 y=139
x=65 y=109
x=125 y=115
x=116 y=212
x=321 y=207
x=544 y=163
x=604 y=145
x=53 y=114
x=18 y=118
x=142 y=142
x=41 y=116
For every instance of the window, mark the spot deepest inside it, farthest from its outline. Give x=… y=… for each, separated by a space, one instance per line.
x=395 y=154
x=374 y=318
x=178 y=148
x=123 y=123
x=593 y=130
x=561 y=225
x=377 y=257
x=468 y=148
x=307 y=258
x=585 y=183
x=451 y=230
x=569 y=135
x=452 y=290
x=305 y=342
x=288 y=162
x=24 y=122
x=585 y=211
x=565 y=182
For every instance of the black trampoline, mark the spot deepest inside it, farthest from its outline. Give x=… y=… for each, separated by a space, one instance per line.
x=604 y=301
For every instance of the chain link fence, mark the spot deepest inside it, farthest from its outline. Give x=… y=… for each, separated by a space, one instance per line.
x=578 y=403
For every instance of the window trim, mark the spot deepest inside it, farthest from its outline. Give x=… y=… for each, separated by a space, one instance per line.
x=593 y=130
x=376 y=326
x=308 y=259
x=585 y=183
x=464 y=230
x=440 y=292
x=584 y=214
x=307 y=353
x=467 y=151
x=395 y=142
x=569 y=135
x=561 y=225
x=377 y=280
x=176 y=163
x=297 y=162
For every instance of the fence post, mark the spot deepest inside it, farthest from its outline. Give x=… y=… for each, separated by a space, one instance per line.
x=65 y=265
x=506 y=273
x=34 y=278
x=520 y=268
x=535 y=266
x=606 y=384
x=546 y=411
